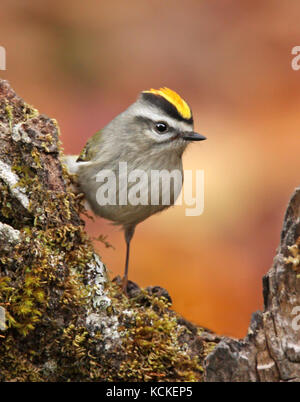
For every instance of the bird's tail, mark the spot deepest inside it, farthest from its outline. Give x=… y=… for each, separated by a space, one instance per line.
x=72 y=166
x=70 y=162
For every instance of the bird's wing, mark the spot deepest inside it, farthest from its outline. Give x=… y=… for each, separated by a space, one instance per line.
x=91 y=148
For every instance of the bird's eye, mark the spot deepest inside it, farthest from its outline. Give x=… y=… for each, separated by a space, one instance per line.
x=161 y=127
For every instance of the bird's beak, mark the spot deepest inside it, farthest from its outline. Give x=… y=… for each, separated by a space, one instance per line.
x=192 y=136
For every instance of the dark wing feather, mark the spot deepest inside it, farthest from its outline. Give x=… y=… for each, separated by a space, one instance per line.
x=91 y=148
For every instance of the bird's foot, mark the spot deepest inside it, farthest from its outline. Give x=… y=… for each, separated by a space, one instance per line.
x=124 y=285
x=130 y=289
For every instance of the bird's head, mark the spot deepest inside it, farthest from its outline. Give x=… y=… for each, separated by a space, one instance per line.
x=161 y=118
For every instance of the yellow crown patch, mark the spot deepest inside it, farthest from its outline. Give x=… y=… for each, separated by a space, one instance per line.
x=175 y=99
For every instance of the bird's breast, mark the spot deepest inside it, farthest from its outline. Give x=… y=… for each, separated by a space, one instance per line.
x=129 y=191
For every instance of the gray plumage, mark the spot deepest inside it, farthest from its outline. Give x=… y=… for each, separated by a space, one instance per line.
x=133 y=137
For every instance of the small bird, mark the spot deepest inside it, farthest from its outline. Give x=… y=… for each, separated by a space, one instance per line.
x=150 y=135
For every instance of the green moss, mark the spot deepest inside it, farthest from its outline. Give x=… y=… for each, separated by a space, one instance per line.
x=44 y=274
x=294 y=257
x=9 y=112
x=29 y=112
x=38 y=281
x=36 y=260
x=151 y=341
x=149 y=347
x=17 y=365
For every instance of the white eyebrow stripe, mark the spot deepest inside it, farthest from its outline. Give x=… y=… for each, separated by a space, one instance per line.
x=157 y=115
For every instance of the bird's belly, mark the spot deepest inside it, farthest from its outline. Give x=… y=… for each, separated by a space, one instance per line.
x=127 y=215
x=126 y=201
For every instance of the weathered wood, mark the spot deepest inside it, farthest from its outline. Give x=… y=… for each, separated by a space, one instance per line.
x=271 y=350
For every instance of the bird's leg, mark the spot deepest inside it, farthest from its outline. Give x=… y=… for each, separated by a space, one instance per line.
x=129 y=231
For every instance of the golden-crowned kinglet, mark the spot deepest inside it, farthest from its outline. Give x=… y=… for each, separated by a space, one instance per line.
x=119 y=164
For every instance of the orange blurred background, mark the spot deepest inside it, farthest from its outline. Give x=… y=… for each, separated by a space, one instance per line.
x=85 y=62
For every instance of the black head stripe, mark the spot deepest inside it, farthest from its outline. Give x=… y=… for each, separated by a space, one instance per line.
x=166 y=106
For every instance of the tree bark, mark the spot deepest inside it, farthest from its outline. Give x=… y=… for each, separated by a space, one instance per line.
x=271 y=350
x=62 y=319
